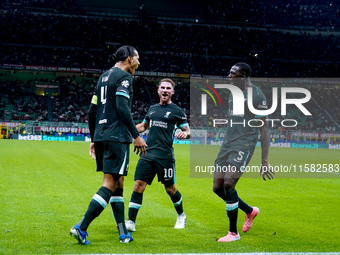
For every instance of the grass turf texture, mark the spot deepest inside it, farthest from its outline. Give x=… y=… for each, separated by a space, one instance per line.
x=45 y=188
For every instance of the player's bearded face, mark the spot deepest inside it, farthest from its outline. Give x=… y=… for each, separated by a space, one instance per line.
x=165 y=91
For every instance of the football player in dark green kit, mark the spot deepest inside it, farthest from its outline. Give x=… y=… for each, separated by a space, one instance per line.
x=111 y=127
x=237 y=149
x=161 y=120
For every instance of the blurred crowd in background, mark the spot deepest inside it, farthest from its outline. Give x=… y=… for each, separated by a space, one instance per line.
x=285 y=38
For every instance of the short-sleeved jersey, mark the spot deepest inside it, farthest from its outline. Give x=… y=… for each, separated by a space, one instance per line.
x=109 y=127
x=239 y=134
x=163 y=121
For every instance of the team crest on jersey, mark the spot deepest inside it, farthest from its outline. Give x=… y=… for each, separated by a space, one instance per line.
x=125 y=83
x=167 y=114
x=264 y=105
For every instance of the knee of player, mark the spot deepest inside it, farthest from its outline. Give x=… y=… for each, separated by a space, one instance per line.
x=121 y=182
x=171 y=190
x=228 y=185
x=217 y=189
x=139 y=186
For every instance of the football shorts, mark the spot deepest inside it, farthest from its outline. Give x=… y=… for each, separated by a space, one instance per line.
x=232 y=161
x=112 y=157
x=147 y=168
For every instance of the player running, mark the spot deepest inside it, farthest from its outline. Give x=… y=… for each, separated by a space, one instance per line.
x=161 y=120
x=111 y=127
x=237 y=149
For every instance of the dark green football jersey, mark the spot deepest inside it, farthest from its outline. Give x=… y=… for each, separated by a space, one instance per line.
x=163 y=120
x=109 y=127
x=239 y=133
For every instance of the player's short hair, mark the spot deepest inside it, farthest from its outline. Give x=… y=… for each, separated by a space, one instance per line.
x=123 y=52
x=244 y=68
x=167 y=80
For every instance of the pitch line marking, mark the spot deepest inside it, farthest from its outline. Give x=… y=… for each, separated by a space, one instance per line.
x=251 y=253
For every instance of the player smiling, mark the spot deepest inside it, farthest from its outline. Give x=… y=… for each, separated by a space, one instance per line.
x=161 y=120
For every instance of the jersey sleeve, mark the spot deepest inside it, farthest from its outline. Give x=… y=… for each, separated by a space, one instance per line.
x=182 y=120
x=124 y=87
x=92 y=114
x=94 y=98
x=126 y=117
x=147 y=117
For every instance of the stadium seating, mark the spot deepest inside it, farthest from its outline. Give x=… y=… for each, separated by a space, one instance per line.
x=59 y=40
x=287 y=13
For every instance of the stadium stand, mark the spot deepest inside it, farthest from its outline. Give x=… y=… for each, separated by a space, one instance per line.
x=282 y=13
x=59 y=40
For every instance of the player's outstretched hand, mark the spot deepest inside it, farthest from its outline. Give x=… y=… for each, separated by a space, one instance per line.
x=266 y=172
x=92 y=152
x=181 y=135
x=139 y=146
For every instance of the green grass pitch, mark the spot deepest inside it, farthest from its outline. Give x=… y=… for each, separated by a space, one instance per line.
x=45 y=188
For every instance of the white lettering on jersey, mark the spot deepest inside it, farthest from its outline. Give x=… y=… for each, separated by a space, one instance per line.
x=160 y=124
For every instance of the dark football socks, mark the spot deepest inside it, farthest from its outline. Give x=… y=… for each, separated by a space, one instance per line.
x=177 y=201
x=117 y=204
x=232 y=209
x=98 y=203
x=244 y=207
x=134 y=205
